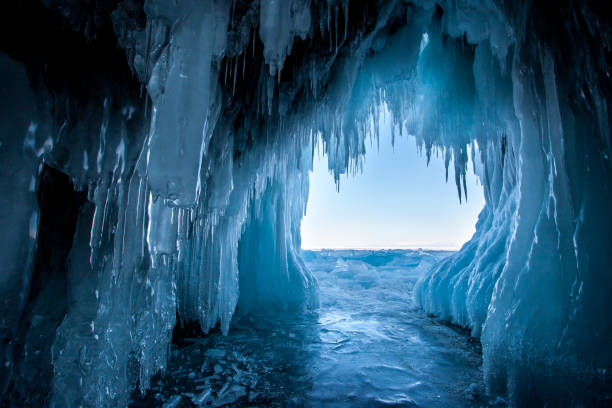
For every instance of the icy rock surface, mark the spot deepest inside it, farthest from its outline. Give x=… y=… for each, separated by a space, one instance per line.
x=190 y=126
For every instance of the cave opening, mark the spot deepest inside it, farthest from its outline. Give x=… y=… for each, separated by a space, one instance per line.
x=366 y=339
x=48 y=296
x=398 y=199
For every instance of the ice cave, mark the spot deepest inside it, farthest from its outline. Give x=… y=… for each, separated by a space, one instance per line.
x=155 y=159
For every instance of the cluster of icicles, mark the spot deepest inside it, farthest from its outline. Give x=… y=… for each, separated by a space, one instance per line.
x=198 y=209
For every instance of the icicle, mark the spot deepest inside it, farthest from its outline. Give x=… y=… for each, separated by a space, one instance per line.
x=329 y=28
x=226 y=65
x=254 y=37
x=244 y=57
x=346 y=16
x=147 y=56
x=235 y=74
x=270 y=95
x=336 y=30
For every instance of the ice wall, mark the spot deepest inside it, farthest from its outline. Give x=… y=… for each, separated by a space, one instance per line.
x=190 y=125
x=532 y=281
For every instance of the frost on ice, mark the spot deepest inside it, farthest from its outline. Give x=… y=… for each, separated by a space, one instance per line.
x=179 y=135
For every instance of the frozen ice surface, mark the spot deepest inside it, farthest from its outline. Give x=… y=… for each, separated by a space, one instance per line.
x=368 y=344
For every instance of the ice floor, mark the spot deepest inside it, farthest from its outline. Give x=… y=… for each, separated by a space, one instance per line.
x=367 y=345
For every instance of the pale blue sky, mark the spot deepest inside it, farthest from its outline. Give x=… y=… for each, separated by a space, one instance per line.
x=397 y=202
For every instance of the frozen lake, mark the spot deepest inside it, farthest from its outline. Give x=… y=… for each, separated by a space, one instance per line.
x=366 y=345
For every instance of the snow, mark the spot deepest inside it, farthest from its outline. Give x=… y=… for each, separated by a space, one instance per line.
x=191 y=126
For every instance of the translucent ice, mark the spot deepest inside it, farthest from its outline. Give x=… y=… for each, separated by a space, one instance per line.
x=191 y=126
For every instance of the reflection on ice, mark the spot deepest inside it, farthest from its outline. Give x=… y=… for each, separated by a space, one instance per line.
x=367 y=345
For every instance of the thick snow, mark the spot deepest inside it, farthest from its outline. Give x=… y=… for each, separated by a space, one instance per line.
x=195 y=157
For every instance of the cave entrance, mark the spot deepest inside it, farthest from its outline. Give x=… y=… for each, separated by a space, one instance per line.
x=367 y=243
x=398 y=201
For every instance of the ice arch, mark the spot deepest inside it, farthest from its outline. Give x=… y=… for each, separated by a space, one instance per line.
x=189 y=124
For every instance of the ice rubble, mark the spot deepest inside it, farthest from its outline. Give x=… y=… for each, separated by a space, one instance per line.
x=195 y=157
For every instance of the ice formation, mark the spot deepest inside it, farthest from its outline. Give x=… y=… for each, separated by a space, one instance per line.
x=174 y=138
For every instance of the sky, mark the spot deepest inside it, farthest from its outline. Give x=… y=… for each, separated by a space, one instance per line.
x=396 y=202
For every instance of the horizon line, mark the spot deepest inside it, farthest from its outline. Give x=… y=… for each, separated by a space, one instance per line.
x=381 y=248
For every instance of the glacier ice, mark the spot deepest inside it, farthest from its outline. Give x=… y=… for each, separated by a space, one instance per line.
x=190 y=126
